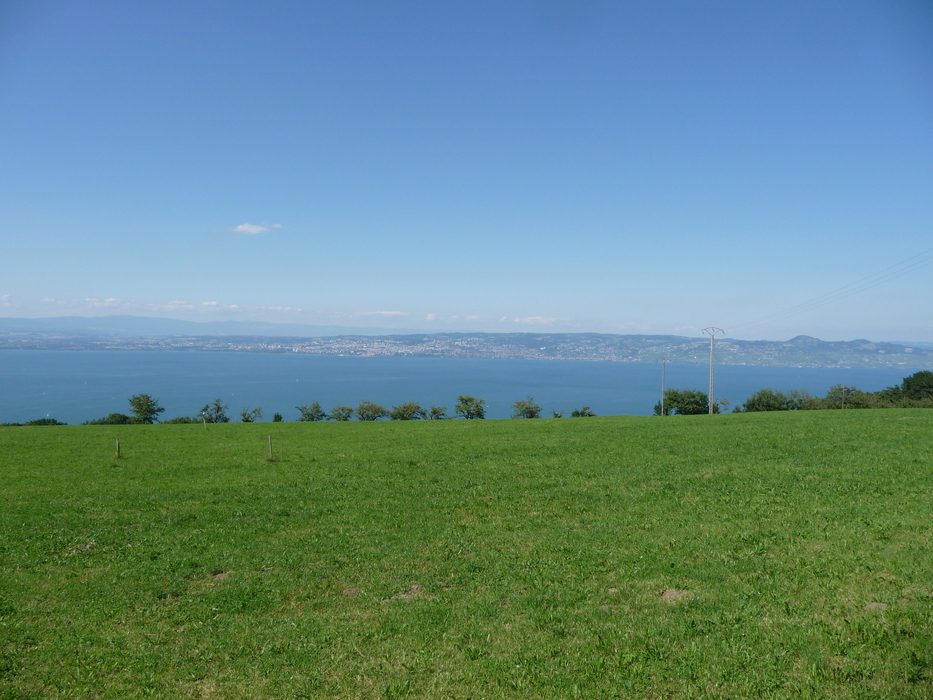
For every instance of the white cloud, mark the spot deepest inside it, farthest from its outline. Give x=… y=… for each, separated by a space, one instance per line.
x=431 y=317
x=537 y=320
x=174 y=306
x=104 y=303
x=384 y=313
x=253 y=229
x=208 y=303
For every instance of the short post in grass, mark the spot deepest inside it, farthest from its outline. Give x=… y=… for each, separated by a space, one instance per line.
x=118 y=448
x=271 y=453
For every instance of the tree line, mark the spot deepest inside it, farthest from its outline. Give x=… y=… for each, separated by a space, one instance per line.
x=145 y=410
x=915 y=391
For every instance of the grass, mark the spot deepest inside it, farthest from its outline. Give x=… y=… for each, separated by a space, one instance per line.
x=472 y=559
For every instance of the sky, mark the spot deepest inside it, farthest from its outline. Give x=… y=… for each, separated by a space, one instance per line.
x=520 y=165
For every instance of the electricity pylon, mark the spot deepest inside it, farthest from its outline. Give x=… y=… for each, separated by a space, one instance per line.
x=663 y=371
x=711 y=332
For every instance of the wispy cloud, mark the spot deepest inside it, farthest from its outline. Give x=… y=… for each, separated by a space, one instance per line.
x=537 y=320
x=383 y=313
x=253 y=229
x=104 y=303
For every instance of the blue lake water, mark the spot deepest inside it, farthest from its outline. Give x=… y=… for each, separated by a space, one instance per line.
x=77 y=386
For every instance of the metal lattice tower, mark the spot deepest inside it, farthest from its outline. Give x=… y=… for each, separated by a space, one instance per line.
x=711 y=332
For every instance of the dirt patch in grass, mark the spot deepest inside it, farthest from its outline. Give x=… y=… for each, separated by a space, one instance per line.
x=222 y=575
x=415 y=590
x=351 y=591
x=672 y=595
x=85 y=548
x=876 y=606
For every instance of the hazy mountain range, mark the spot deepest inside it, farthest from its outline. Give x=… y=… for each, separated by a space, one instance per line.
x=142 y=333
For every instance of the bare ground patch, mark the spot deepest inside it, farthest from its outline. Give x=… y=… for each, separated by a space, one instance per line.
x=673 y=595
x=415 y=590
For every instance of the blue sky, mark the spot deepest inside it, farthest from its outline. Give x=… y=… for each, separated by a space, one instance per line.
x=496 y=166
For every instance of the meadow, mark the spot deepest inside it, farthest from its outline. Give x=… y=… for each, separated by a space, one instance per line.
x=769 y=555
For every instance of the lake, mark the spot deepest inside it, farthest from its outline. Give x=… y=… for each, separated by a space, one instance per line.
x=75 y=386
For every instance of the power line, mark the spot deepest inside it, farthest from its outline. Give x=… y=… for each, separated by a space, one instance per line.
x=892 y=272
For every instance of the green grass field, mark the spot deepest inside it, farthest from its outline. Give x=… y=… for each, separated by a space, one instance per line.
x=783 y=555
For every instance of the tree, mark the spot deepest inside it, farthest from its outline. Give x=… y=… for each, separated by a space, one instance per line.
x=915 y=391
x=437 y=413
x=113 y=419
x=180 y=420
x=584 y=412
x=803 y=400
x=277 y=418
x=214 y=413
x=526 y=408
x=767 y=400
x=918 y=387
x=840 y=396
x=341 y=413
x=367 y=410
x=407 y=411
x=250 y=415
x=145 y=409
x=687 y=402
x=311 y=413
x=470 y=408
x=44 y=421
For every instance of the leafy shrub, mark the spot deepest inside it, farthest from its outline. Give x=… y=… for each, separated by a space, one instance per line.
x=407 y=411
x=526 y=408
x=470 y=407
x=113 y=419
x=45 y=421
x=584 y=412
x=311 y=412
x=367 y=410
x=340 y=413
x=215 y=412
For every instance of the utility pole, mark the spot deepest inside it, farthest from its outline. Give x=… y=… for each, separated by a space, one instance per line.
x=711 y=332
x=663 y=371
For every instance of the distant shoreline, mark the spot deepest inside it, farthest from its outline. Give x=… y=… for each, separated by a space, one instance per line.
x=802 y=351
